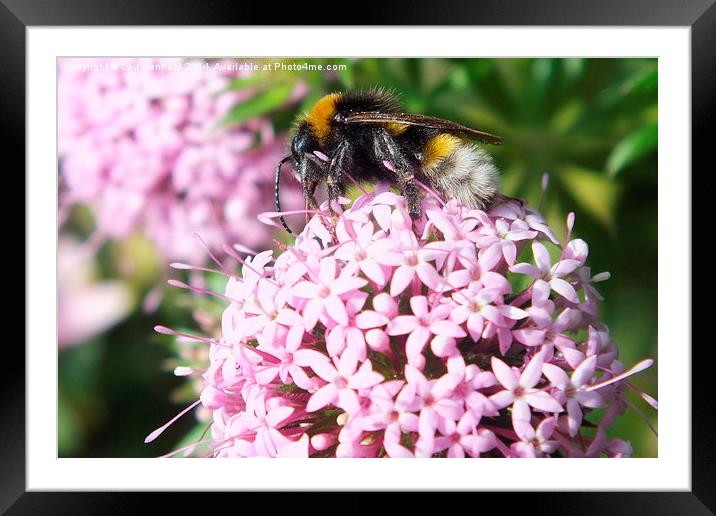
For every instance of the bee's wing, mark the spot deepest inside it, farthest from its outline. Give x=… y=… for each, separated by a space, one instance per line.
x=369 y=117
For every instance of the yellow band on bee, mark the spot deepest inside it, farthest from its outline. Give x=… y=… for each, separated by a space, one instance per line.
x=438 y=147
x=319 y=118
x=396 y=128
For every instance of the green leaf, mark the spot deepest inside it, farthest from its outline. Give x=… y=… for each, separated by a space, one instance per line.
x=594 y=193
x=644 y=81
x=261 y=103
x=542 y=76
x=70 y=427
x=317 y=88
x=573 y=69
x=632 y=147
x=346 y=77
x=242 y=83
x=622 y=99
x=433 y=73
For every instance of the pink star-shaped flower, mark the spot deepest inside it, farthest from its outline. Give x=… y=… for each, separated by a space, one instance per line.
x=545 y=330
x=413 y=264
x=573 y=390
x=537 y=443
x=519 y=392
x=431 y=399
x=421 y=325
x=551 y=274
x=459 y=441
x=288 y=366
x=269 y=308
x=503 y=235
x=343 y=380
x=372 y=257
x=325 y=294
x=478 y=305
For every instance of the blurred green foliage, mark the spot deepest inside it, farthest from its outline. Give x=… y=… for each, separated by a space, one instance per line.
x=591 y=124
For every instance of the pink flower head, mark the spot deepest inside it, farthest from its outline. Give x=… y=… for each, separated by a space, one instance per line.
x=374 y=335
x=141 y=143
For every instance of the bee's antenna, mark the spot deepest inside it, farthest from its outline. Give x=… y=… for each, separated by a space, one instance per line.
x=276 y=190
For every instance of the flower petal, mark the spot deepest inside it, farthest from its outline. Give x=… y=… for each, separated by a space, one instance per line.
x=512 y=312
x=504 y=374
x=430 y=277
x=278 y=414
x=289 y=318
x=327 y=270
x=326 y=395
x=402 y=324
x=305 y=289
x=574 y=417
x=529 y=336
x=584 y=373
x=544 y=263
x=347 y=363
x=533 y=372
x=564 y=267
x=402 y=277
x=540 y=292
x=564 y=289
x=556 y=375
x=502 y=399
x=521 y=420
x=589 y=399
x=295 y=450
x=526 y=268
x=415 y=343
x=543 y=401
x=365 y=377
x=348 y=401
x=370 y=319
x=345 y=284
x=336 y=309
x=419 y=305
x=312 y=312
x=265 y=375
x=447 y=328
x=316 y=361
x=374 y=271
x=509 y=251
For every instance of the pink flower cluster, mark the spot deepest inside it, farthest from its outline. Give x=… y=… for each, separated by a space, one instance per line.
x=375 y=335
x=140 y=143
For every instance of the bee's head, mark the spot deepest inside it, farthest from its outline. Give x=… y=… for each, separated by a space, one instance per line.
x=302 y=143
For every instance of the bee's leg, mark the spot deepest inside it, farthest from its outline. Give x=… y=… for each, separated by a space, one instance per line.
x=387 y=150
x=334 y=179
x=412 y=194
x=312 y=170
x=309 y=187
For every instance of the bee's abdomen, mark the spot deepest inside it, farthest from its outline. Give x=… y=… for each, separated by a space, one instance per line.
x=460 y=170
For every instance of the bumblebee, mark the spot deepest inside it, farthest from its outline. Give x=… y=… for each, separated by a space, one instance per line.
x=365 y=134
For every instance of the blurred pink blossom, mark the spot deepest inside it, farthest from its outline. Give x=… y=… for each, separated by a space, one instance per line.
x=85 y=306
x=140 y=142
x=322 y=356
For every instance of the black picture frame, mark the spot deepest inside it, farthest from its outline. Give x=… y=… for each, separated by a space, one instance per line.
x=17 y=15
